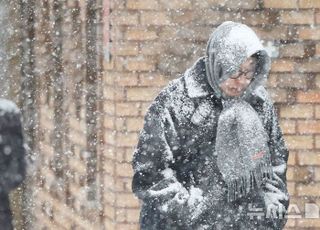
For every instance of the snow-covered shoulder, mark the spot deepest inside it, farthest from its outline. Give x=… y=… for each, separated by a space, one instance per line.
x=7 y=106
x=169 y=94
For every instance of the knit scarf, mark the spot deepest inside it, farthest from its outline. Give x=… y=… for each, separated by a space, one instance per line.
x=243 y=156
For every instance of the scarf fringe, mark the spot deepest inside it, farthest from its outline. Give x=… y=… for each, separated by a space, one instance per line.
x=243 y=185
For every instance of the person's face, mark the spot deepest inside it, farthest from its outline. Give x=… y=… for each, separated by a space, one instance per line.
x=237 y=83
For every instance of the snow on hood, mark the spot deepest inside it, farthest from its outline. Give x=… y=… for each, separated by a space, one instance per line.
x=228 y=47
x=7 y=106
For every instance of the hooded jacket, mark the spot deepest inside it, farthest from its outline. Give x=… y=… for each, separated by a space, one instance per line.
x=12 y=158
x=175 y=163
x=241 y=143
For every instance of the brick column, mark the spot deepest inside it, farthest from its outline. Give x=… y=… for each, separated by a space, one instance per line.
x=154 y=40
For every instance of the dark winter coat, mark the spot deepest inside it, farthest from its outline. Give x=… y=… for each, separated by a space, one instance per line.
x=175 y=170
x=12 y=158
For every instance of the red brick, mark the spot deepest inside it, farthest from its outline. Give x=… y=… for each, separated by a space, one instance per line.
x=142 y=93
x=296 y=111
x=124 y=170
x=317 y=173
x=309 y=4
x=144 y=108
x=119 y=4
x=264 y=17
x=308 y=158
x=235 y=4
x=175 y=4
x=129 y=154
x=152 y=48
x=283 y=4
x=114 y=93
x=299 y=142
x=155 y=18
x=119 y=62
x=292 y=50
x=308 y=96
x=134 y=124
x=182 y=17
x=120 y=126
x=272 y=33
x=317 y=50
x=121 y=215
x=211 y=16
x=126 y=49
x=109 y=181
x=109 y=222
x=297 y=17
x=142 y=4
x=290 y=173
x=317 y=137
x=292 y=158
x=109 y=138
x=108 y=65
x=109 y=167
x=272 y=80
x=297 y=81
x=126 y=139
x=127 y=200
x=127 y=109
x=119 y=185
x=308 y=223
x=140 y=65
x=140 y=34
x=110 y=106
x=120 y=155
x=125 y=79
x=309 y=127
x=291 y=188
x=282 y=65
x=309 y=190
x=298 y=202
x=133 y=215
x=303 y=174
x=317 y=109
x=311 y=66
x=318 y=17
x=229 y=4
x=157 y=80
x=288 y=126
x=317 y=81
x=309 y=33
x=278 y=95
x=109 y=197
x=127 y=226
x=117 y=33
x=124 y=18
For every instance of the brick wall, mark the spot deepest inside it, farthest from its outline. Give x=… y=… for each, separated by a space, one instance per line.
x=67 y=193
x=154 y=40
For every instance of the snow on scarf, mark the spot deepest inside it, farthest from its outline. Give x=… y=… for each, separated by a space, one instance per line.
x=242 y=149
x=241 y=143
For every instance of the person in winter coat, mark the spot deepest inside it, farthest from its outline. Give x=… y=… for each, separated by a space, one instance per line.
x=12 y=158
x=211 y=154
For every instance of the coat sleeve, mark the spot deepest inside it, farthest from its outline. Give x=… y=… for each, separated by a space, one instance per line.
x=12 y=151
x=275 y=194
x=154 y=181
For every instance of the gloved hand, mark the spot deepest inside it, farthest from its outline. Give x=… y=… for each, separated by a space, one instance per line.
x=273 y=205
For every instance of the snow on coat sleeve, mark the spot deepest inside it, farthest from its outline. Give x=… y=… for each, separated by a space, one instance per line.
x=12 y=151
x=154 y=181
x=275 y=193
